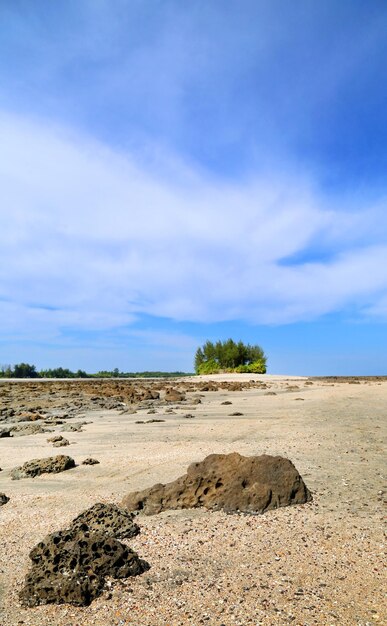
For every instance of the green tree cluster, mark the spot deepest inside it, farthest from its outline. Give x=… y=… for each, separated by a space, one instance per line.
x=229 y=356
x=25 y=370
x=20 y=370
x=62 y=372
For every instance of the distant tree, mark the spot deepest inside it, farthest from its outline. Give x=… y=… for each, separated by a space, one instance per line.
x=24 y=370
x=57 y=372
x=229 y=356
x=5 y=371
x=81 y=374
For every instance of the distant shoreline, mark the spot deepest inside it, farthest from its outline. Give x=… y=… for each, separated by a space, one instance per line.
x=212 y=377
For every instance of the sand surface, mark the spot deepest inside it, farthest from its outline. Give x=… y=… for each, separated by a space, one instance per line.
x=320 y=563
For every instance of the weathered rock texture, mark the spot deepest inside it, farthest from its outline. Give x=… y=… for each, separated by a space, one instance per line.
x=27 y=429
x=90 y=461
x=108 y=519
x=71 y=565
x=58 y=441
x=227 y=481
x=52 y=464
x=3 y=499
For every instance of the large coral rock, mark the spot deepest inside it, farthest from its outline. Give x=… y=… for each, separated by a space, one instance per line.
x=52 y=464
x=108 y=519
x=231 y=482
x=71 y=565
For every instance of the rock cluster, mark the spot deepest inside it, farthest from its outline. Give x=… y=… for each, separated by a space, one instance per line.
x=231 y=482
x=51 y=402
x=52 y=464
x=71 y=565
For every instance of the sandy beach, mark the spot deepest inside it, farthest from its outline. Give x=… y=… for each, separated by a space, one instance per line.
x=319 y=563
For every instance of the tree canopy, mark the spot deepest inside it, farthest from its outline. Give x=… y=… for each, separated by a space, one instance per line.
x=25 y=370
x=229 y=356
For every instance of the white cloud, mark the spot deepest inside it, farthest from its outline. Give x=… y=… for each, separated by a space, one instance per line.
x=89 y=239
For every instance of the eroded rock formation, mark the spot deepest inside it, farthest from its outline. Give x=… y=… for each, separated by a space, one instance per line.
x=71 y=565
x=231 y=482
x=50 y=465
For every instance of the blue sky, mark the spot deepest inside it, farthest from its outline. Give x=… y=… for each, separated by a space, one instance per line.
x=175 y=171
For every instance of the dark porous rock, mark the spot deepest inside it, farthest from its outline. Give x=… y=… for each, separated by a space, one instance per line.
x=70 y=566
x=90 y=461
x=231 y=482
x=3 y=499
x=108 y=519
x=52 y=464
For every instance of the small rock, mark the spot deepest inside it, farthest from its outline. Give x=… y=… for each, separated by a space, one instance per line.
x=90 y=461
x=3 y=499
x=58 y=441
x=52 y=464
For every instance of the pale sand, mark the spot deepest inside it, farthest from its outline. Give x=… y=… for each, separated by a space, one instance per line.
x=321 y=563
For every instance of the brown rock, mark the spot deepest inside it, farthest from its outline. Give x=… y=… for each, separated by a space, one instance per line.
x=58 y=441
x=230 y=482
x=52 y=464
x=172 y=395
x=90 y=461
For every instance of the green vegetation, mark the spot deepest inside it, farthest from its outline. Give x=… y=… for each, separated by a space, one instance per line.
x=24 y=370
x=228 y=356
x=21 y=370
x=157 y=374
